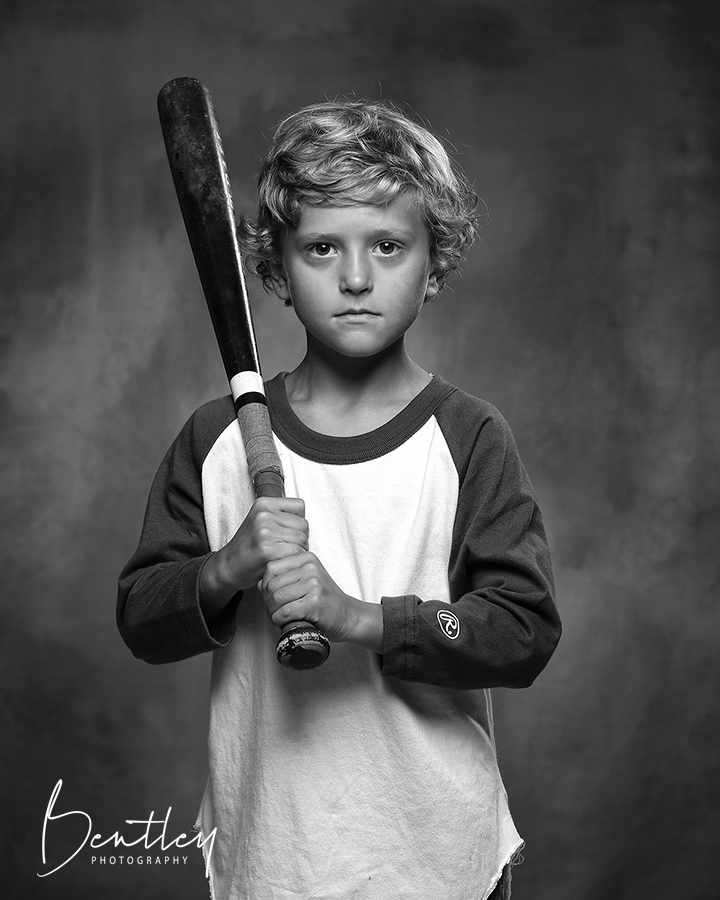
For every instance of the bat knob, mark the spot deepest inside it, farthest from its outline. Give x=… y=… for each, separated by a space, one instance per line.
x=302 y=646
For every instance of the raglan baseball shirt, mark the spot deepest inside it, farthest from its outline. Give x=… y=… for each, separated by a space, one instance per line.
x=371 y=776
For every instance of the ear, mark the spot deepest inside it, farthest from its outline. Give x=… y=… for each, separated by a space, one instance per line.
x=433 y=287
x=279 y=281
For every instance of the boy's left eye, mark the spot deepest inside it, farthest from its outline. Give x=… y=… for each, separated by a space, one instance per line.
x=387 y=248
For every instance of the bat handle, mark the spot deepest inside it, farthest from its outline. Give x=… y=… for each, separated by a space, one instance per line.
x=269 y=483
x=301 y=645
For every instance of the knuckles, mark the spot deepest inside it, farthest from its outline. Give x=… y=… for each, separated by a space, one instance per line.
x=264 y=506
x=271 y=569
x=312 y=583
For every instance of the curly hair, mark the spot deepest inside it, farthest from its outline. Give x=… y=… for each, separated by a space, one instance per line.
x=344 y=152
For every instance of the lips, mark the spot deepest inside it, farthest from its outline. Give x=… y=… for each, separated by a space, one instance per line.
x=356 y=313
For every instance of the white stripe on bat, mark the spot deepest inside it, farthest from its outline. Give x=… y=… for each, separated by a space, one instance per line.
x=244 y=383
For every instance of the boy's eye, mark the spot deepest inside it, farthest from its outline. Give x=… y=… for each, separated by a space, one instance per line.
x=321 y=249
x=387 y=248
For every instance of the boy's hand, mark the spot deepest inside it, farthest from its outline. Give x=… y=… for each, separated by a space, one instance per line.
x=275 y=528
x=298 y=589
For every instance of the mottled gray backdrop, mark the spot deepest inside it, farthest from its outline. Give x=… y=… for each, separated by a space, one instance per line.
x=589 y=314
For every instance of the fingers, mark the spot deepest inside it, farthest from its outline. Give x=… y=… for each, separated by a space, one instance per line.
x=287 y=604
x=282 y=519
x=285 y=550
x=299 y=588
x=277 y=521
x=289 y=580
x=271 y=539
x=284 y=571
x=277 y=527
x=292 y=505
x=297 y=611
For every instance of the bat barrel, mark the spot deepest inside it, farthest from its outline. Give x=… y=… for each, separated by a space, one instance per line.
x=197 y=163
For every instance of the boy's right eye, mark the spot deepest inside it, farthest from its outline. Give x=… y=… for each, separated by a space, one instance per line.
x=321 y=249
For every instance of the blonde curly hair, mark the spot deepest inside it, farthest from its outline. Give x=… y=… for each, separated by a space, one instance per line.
x=344 y=152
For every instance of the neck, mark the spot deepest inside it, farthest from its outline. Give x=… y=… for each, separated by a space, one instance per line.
x=326 y=374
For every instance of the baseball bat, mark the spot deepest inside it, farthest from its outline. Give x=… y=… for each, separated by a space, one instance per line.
x=197 y=163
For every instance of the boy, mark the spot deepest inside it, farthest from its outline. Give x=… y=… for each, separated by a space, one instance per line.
x=417 y=548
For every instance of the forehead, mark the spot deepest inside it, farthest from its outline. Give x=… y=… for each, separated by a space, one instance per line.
x=403 y=214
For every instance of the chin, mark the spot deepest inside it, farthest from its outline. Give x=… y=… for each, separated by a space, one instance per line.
x=363 y=352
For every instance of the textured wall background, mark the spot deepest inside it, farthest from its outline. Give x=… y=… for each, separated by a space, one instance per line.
x=589 y=315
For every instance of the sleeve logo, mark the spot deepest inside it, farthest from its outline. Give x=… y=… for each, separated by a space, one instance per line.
x=449 y=623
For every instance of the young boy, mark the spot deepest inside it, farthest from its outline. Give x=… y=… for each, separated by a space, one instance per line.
x=417 y=547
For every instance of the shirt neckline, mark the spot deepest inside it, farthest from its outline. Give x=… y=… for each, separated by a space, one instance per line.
x=326 y=448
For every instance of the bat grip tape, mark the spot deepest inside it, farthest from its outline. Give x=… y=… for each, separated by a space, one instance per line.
x=262 y=455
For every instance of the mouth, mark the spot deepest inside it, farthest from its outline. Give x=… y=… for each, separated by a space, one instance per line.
x=356 y=314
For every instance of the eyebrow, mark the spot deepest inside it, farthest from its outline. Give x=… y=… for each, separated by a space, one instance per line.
x=329 y=237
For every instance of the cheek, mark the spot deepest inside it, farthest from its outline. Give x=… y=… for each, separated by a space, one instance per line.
x=422 y=287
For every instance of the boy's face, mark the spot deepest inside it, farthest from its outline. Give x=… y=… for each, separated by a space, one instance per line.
x=357 y=276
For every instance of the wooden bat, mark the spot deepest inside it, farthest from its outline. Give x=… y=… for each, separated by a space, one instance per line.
x=198 y=168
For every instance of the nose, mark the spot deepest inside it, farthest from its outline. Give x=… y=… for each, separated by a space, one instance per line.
x=356 y=275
